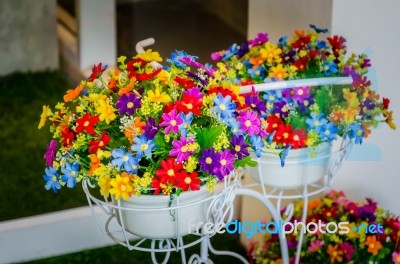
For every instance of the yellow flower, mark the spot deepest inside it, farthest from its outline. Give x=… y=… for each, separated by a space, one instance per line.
x=121 y=186
x=158 y=97
x=351 y=99
x=105 y=111
x=103 y=154
x=104 y=184
x=210 y=184
x=389 y=120
x=278 y=72
x=271 y=53
x=149 y=55
x=43 y=117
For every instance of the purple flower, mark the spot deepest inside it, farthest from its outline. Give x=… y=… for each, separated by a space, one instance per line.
x=128 y=103
x=208 y=160
x=256 y=103
x=281 y=108
x=288 y=57
x=367 y=105
x=250 y=122
x=197 y=77
x=216 y=56
x=244 y=48
x=182 y=149
x=194 y=92
x=191 y=61
x=239 y=147
x=225 y=164
x=301 y=93
x=172 y=120
x=50 y=153
x=307 y=102
x=151 y=128
x=260 y=39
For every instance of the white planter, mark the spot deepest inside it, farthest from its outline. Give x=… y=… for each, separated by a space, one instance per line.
x=301 y=167
x=153 y=218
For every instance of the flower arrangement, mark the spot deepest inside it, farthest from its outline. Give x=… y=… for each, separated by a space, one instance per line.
x=356 y=246
x=141 y=130
x=306 y=116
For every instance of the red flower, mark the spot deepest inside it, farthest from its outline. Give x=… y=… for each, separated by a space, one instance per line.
x=86 y=122
x=168 y=170
x=283 y=135
x=272 y=123
x=329 y=213
x=301 y=63
x=302 y=42
x=147 y=76
x=187 y=83
x=223 y=91
x=386 y=103
x=299 y=138
x=95 y=145
x=189 y=104
x=188 y=181
x=96 y=72
x=132 y=66
x=67 y=137
x=159 y=185
x=337 y=44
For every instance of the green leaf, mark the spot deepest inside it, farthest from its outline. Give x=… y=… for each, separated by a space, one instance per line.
x=322 y=100
x=206 y=137
x=245 y=161
x=160 y=141
x=298 y=122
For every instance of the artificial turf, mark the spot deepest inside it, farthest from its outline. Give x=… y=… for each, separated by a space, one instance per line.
x=22 y=191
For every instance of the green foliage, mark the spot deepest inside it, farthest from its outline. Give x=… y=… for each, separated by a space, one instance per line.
x=298 y=122
x=206 y=137
x=322 y=100
x=245 y=161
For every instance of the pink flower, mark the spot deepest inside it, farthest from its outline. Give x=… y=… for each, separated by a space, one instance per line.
x=172 y=120
x=250 y=122
x=182 y=149
x=396 y=257
x=315 y=246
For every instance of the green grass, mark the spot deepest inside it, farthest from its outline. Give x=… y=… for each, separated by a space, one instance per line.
x=22 y=191
x=120 y=254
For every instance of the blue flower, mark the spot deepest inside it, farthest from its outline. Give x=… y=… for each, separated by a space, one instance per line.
x=258 y=72
x=257 y=145
x=272 y=96
x=328 y=132
x=143 y=146
x=231 y=51
x=70 y=174
x=282 y=42
x=316 y=122
x=357 y=132
x=187 y=120
x=283 y=154
x=52 y=179
x=329 y=67
x=224 y=106
x=122 y=158
x=177 y=56
x=235 y=126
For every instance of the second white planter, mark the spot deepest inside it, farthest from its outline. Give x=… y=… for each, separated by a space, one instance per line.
x=302 y=167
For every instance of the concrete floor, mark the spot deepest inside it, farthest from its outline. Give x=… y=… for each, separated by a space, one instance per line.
x=175 y=25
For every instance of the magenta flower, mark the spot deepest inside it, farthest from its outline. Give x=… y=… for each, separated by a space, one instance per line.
x=348 y=250
x=172 y=120
x=260 y=39
x=250 y=122
x=396 y=257
x=182 y=149
x=194 y=92
x=50 y=153
x=225 y=166
x=315 y=246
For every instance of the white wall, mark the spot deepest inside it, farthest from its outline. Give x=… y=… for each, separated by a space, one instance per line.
x=372 y=26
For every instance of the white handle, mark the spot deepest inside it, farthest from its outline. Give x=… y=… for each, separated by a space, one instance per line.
x=140 y=49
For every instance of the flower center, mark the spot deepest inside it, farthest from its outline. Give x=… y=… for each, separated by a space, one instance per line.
x=316 y=123
x=271 y=98
x=189 y=106
x=171 y=172
x=223 y=162
x=305 y=102
x=144 y=147
x=130 y=105
x=296 y=138
x=327 y=132
x=398 y=258
x=208 y=160
x=125 y=158
x=253 y=105
x=372 y=245
x=237 y=148
x=86 y=124
x=247 y=123
x=73 y=173
x=222 y=107
x=188 y=180
x=300 y=92
x=326 y=68
x=286 y=135
x=359 y=133
x=123 y=188
x=184 y=148
x=54 y=178
x=173 y=122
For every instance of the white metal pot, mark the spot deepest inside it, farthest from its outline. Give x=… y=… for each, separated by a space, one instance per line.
x=151 y=216
x=302 y=167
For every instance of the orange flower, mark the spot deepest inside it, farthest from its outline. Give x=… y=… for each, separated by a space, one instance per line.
x=94 y=163
x=335 y=254
x=313 y=204
x=278 y=72
x=72 y=94
x=367 y=131
x=373 y=245
x=135 y=129
x=113 y=81
x=128 y=88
